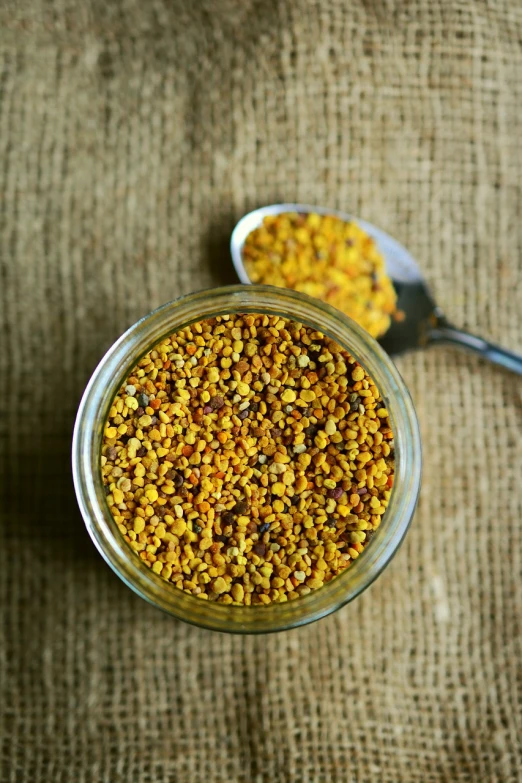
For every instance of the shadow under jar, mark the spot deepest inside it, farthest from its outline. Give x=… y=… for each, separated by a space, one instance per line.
x=106 y=382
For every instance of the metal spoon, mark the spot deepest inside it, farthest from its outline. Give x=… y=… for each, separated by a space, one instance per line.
x=424 y=324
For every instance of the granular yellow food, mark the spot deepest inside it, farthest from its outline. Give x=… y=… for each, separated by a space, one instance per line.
x=327 y=258
x=248 y=459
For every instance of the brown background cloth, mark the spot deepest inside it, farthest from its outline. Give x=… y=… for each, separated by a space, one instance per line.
x=132 y=136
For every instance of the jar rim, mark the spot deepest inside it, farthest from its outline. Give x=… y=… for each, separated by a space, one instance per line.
x=112 y=371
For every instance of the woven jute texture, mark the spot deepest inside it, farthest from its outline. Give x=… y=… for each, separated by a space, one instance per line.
x=132 y=136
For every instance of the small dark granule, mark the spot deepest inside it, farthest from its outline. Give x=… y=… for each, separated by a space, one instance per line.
x=240 y=508
x=111 y=453
x=332 y=522
x=142 y=452
x=259 y=548
x=223 y=539
x=207 y=409
x=276 y=432
x=355 y=404
x=311 y=431
x=107 y=490
x=140 y=411
x=254 y=407
x=175 y=477
x=143 y=400
x=243 y=415
x=153 y=420
x=335 y=493
x=216 y=402
x=294 y=500
x=369 y=534
x=160 y=511
x=265 y=527
x=227 y=518
x=196 y=528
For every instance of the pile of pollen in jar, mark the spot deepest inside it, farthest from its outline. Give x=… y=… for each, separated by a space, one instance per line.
x=248 y=459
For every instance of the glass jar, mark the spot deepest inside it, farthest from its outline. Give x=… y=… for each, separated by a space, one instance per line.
x=113 y=370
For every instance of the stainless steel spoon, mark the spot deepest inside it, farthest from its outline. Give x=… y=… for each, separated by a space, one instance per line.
x=424 y=324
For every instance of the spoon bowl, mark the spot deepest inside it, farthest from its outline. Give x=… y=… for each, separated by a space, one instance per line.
x=424 y=321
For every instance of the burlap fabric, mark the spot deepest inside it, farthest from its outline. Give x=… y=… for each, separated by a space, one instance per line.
x=133 y=135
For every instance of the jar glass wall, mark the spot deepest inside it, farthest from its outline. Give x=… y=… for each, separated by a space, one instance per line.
x=108 y=378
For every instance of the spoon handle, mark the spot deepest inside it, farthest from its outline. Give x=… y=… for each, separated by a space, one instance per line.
x=444 y=332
